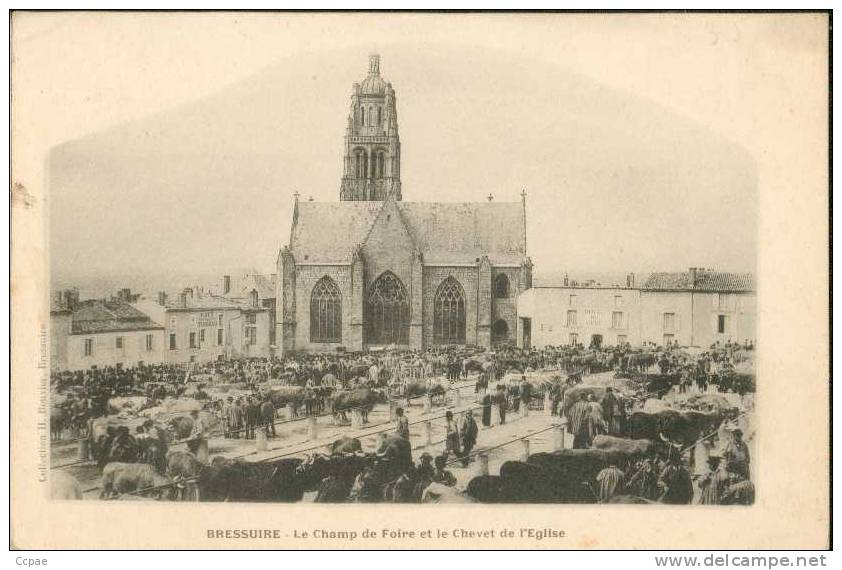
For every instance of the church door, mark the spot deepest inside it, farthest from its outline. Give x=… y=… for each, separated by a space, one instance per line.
x=387 y=311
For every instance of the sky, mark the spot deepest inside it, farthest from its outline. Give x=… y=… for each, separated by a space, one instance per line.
x=179 y=148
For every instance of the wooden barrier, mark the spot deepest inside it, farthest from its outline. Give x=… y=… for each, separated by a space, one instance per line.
x=525 y=451
x=482 y=464
x=84 y=449
x=260 y=442
x=312 y=428
x=428 y=404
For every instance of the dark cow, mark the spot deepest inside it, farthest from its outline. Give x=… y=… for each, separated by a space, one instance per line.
x=238 y=480
x=344 y=445
x=362 y=399
x=681 y=428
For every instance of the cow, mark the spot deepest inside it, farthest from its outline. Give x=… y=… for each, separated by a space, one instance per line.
x=121 y=478
x=237 y=480
x=633 y=447
x=345 y=445
x=680 y=428
x=182 y=465
x=64 y=487
x=362 y=399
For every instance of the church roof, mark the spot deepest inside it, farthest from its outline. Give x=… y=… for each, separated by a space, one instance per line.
x=445 y=233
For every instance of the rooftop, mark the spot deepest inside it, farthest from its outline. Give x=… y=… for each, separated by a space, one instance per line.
x=100 y=316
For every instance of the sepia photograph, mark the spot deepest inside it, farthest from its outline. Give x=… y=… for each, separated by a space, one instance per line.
x=279 y=265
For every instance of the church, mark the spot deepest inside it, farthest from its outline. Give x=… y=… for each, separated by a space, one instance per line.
x=373 y=271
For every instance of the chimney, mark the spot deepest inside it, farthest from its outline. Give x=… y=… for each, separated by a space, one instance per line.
x=182 y=299
x=566 y=280
x=226 y=284
x=630 y=280
x=162 y=298
x=692 y=277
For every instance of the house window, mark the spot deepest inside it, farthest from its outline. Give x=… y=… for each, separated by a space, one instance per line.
x=618 y=300
x=148 y=343
x=572 y=300
x=501 y=286
x=118 y=342
x=192 y=340
x=621 y=339
x=254 y=298
x=571 y=318
x=449 y=313
x=669 y=321
x=669 y=339
x=574 y=338
x=723 y=301
x=325 y=312
x=218 y=337
x=251 y=336
x=202 y=335
x=251 y=318
x=219 y=319
x=617 y=320
x=720 y=324
x=89 y=347
x=172 y=341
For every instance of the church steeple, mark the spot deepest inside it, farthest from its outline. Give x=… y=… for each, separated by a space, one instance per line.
x=372 y=159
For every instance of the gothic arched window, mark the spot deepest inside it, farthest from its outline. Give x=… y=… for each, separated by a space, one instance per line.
x=362 y=116
x=362 y=164
x=326 y=312
x=499 y=331
x=449 y=313
x=379 y=116
x=381 y=162
x=387 y=311
x=501 y=286
x=371 y=116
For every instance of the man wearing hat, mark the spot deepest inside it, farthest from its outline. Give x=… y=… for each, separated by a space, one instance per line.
x=736 y=455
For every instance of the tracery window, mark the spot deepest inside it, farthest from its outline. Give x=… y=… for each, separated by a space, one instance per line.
x=449 y=313
x=326 y=312
x=387 y=311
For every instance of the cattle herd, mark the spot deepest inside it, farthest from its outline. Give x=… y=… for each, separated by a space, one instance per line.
x=640 y=425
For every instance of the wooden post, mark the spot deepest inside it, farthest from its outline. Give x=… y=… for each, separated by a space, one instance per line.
x=202 y=452
x=428 y=434
x=428 y=404
x=290 y=411
x=260 y=439
x=548 y=403
x=84 y=449
x=524 y=408
x=482 y=464
x=312 y=428
x=525 y=443
x=561 y=436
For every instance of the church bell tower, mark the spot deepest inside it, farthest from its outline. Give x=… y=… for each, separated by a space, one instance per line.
x=371 y=167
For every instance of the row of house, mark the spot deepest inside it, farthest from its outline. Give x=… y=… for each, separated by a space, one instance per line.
x=698 y=307
x=236 y=318
x=127 y=330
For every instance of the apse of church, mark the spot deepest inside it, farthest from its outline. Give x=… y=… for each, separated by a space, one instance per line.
x=374 y=271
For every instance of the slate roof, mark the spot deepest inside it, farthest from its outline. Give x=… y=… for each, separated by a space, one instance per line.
x=707 y=281
x=98 y=316
x=457 y=233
